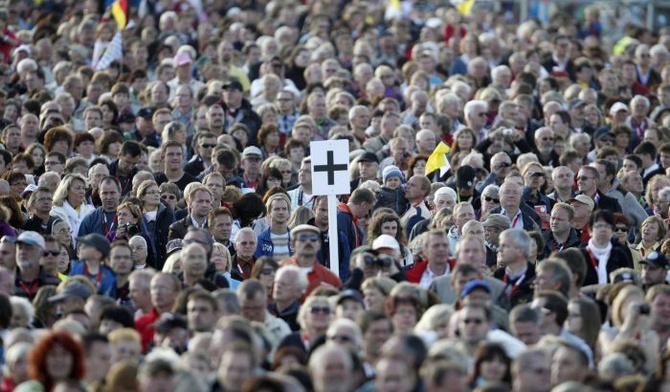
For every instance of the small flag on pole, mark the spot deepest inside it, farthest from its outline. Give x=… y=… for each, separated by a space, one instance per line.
x=120 y=13
x=464 y=6
x=438 y=159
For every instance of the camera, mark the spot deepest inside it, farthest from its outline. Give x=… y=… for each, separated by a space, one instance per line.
x=131 y=229
x=380 y=262
x=644 y=308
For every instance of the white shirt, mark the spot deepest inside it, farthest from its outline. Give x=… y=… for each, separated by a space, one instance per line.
x=429 y=276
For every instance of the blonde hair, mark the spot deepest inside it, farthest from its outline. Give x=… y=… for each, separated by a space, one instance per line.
x=61 y=192
x=621 y=299
x=226 y=253
x=168 y=267
x=124 y=335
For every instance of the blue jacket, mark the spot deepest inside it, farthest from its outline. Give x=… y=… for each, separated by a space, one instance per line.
x=107 y=284
x=94 y=223
x=265 y=246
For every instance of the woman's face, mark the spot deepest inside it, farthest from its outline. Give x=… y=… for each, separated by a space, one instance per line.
x=267 y=276
x=651 y=135
x=107 y=115
x=621 y=140
x=86 y=148
x=591 y=117
x=273 y=182
x=373 y=298
x=19 y=370
x=62 y=232
x=63 y=260
x=139 y=252
x=125 y=216
x=272 y=140
x=242 y=136
x=493 y=369
x=170 y=199
x=464 y=140
x=151 y=196
x=76 y=193
x=126 y=350
x=404 y=318
x=61 y=146
x=621 y=233
x=574 y=321
x=114 y=149
x=650 y=232
x=319 y=315
x=19 y=318
x=38 y=156
x=59 y=363
x=180 y=136
x=420 y=168
x=269 y=117
x=390 y=228
x=220 y=261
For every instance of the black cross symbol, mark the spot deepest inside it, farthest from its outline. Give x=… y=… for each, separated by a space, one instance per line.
x=330 y=167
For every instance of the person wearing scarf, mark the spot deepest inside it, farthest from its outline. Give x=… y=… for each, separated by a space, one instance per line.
x=602 y=255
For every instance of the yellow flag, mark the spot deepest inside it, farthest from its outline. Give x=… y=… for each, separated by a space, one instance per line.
x=438 y=158
x=465 y=7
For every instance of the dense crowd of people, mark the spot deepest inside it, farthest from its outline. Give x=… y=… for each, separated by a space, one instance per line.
x=160 y=231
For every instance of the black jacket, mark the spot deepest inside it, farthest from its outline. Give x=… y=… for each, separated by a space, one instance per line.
x=126 y=181
x=552 y=246
x=159 y=235
x=607 y=203
x=619 y=258
x=179 y=228
x=248 y=118
x=521 y=290
x=531 y=220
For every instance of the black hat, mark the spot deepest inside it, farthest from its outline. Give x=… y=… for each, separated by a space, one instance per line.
x=126 y=118
x=168 y=321
x=233 y=83
x=146 y=113
x=350 y=294
x=656 y=260
x=465 y=177
x=368 y=157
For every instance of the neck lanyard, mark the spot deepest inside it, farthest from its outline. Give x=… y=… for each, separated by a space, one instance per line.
x=32 y=289
x=516 y=285
x=594 y=261
x=558 y=246
x=105 y=228
x=98 y=278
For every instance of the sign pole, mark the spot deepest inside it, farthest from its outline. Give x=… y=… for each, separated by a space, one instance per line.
x=332 y=235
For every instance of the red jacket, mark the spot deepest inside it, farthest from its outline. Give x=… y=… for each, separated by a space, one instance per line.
x=319 y=275
x=415 y=273
x=145 y=326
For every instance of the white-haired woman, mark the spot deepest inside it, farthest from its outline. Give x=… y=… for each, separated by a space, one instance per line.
x=222 y=263
x=69 y=203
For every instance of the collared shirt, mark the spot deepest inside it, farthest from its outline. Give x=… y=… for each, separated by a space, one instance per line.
x=517 y=220
x=429 y=276
x=198 y=225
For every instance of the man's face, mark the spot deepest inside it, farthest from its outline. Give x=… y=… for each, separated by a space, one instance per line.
x=660 y=311
x=201 y=204
x=368 y=170
x=652 y=275
x=93 y=119
x=566 y=366
x=471 y=252
x=109 y=194
x=438 y=249
x=463 y=215
x=563 y=178
x=510 y=196
x=174 y=158
x=508 y=252
x=286 y=102
x=586 y=181
x=377 y=334
x=535 y=378
x=279 y=212
x=245 y=245
x=126 y=162
x=232 y=97
x=121 y=260
x=28 y=256
x=253 y=309
x=201 y=315
x=544 y=280
x=139 y=293
x=98 y=360
x=205 y=146
x=360 y=119
x=444 y=201
x=528 y=332
x=321 y=213
x=305 y=173
x=50 y=258
x=306 y=243
x=473 y=325
x=222 y=227
x=215 y=117
x=285 y=288
x=251 y=165
x=559 y=221
x=234 y=369
x=162 y=290
x=414 y=191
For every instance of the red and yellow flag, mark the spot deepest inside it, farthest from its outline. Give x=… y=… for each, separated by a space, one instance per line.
x=120 y=13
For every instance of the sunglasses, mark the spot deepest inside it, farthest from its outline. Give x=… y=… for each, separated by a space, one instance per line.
x=340 y=338
x=308 y=237
x=51 y=252
x=620 y=229
x=475 y=321
x=538 y=174
x=208 y=145
x=267 y=271
x=317 y=309
x=168 y=197
x=491 y=200
x=504 y=164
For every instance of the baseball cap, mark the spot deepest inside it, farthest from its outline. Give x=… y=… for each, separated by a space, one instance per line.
x=252 y=150
x=22 y=48
x=233 y=83
x=617 y=107
x=602 y=134
x=126 y=118
x=304 y=227
x=146 y=113
x=369 y=157
x=79 y=290
x=576 y=103
x=584 y=200
x=350 y=294
x=497 y=220
x=29 y=190
x=96 y=240
x=174 y=245
x=385 y=241
x=465 y=177
x=492 y=191
x=182 y=58
x=31 y=238
x=656 y=260
x=475 y=285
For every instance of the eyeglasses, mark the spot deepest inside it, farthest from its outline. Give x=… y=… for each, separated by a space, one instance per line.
x=152 y=193
x=482 y=114
x=63 y=231
x=268 y=271
x=621 y=229
x=308 y=237
x=475 y=321
x=503 y=165
x=538 y=174
x=53 y=253
x=341 y=338
x=168 y=197
x=318 y=309
x=491 y=200
x=208 y=145
x=547 y=139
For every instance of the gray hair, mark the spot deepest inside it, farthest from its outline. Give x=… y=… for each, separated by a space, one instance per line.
x=471 y=106
x=299 y=276
x=229 y=298
x=519 y=238
x=26 y=305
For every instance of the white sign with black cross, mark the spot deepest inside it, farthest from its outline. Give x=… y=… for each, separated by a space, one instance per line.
x=330 y=177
